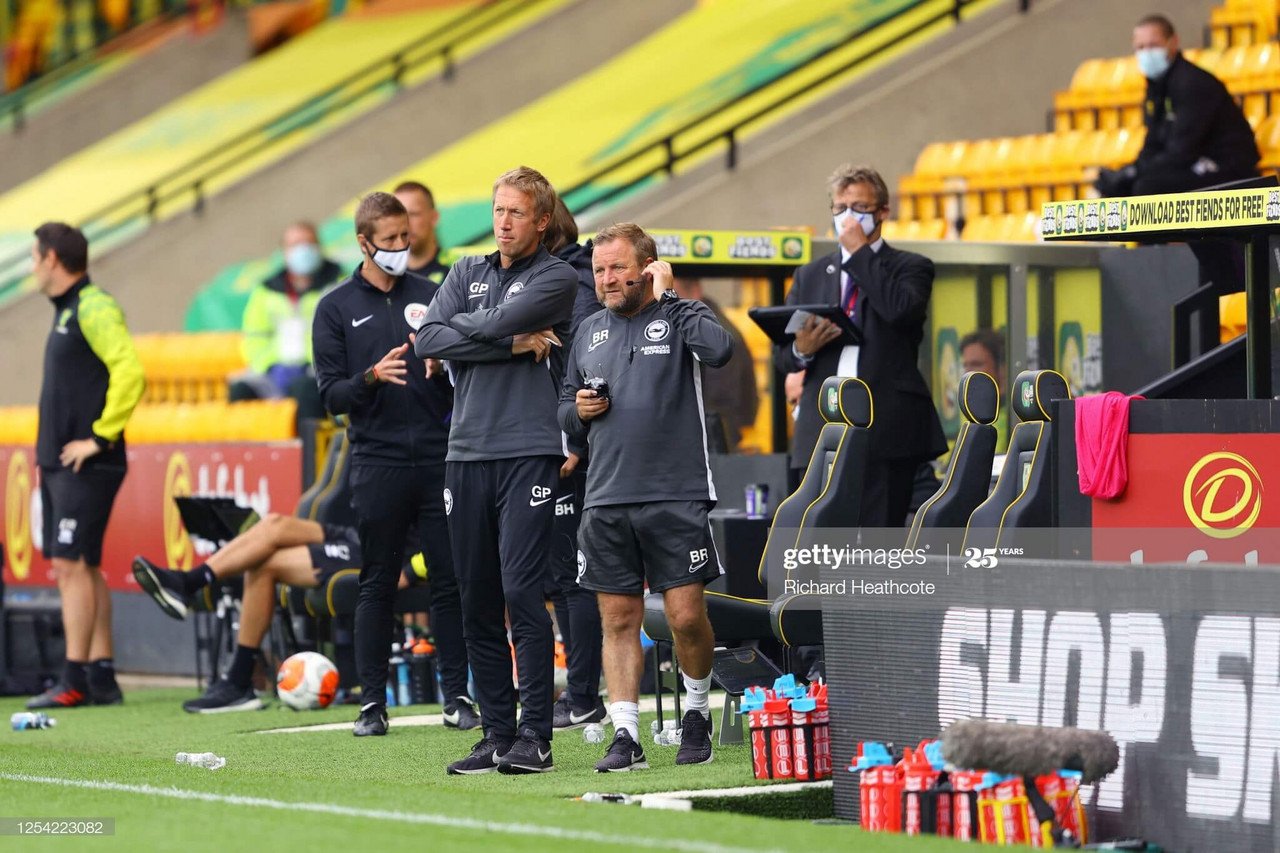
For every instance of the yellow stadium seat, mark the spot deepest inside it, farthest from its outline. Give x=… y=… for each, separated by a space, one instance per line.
x=1268 y=137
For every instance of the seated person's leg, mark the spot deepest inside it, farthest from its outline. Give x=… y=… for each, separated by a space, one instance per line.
x=172 y=589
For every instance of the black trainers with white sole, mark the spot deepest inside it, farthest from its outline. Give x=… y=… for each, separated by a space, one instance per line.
x=624 y=755
x=565 y=716
x=461 y=714
x=484 y=757
x=372 y=721
x=531 y=753
x=163 y=585
x=695 y=739
x=221 y=697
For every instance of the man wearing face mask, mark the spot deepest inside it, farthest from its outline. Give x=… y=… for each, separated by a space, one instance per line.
x=885 y=292
x=277 y=325
x=1197 y=137
x=399 y=432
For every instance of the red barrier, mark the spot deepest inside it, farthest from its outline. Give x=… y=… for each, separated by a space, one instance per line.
x=265 y=476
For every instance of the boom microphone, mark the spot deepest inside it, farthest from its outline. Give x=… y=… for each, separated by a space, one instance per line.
x=1017 y=750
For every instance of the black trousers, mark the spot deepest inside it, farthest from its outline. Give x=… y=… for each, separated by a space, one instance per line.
x=500 y=521
x=577 y=612
x=390 y=503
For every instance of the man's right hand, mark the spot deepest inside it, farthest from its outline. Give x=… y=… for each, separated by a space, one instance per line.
x=589 y=405
x=538 y=343
x=815 y=334
x=392 y=367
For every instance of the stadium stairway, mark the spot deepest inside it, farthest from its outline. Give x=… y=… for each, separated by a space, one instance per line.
x=130 y=78
x=155 y=275
x=972 y=82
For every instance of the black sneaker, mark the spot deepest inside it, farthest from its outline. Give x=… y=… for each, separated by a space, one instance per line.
x=60 y=695
x=484 y=757
x=221 y=697
x=461 y=714
x=105 y=694
x=695 y=739
x=565 y=716
x=372 y=721
x=624 y=754
x=163 y=585
x=530 y=753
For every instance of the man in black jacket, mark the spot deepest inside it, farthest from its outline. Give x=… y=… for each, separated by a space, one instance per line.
x=399 y=432
x=501 y=322
x=649 y=486
x=885 y=292
x=1197 y=137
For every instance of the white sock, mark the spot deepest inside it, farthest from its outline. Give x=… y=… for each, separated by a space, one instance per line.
x=626 y=716
x=697 y=693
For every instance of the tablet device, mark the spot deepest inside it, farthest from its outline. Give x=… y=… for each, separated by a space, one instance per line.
x=781 y=322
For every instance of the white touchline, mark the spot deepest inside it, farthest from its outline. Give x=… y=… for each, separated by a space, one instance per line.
x=379 y=814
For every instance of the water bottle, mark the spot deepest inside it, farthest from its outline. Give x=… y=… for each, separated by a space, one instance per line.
x=392 y=675
x=593 y=733
x=207 y=760
x=422 y=673
x=31 y=720
x=621 y=799
x=403 y=696
x=669 y=736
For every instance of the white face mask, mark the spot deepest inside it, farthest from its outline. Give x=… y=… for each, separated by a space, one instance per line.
x=866 y=220
x=1152 y=61
x=393 y=263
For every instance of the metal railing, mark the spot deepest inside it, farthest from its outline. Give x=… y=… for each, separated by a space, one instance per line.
x=192 y=178
x=704 y=132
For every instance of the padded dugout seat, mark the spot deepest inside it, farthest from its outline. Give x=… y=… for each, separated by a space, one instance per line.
x=941 y=519
x=1023 y=495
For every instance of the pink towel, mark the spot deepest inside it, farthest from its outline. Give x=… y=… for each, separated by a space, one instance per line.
x=1102 y=436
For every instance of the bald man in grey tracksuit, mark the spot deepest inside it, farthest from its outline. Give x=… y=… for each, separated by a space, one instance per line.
x=649 y=486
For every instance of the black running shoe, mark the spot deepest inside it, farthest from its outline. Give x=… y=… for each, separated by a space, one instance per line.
x=221 y=697
x=372 y=721
x=565 y=716
x=530 y=753
x=624 y=754
x=59 y=695
x=484 y=757
x=461 y=714
x=695 y=739
x=163 y=585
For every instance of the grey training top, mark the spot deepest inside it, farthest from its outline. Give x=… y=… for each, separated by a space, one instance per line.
x=504 y=406
x=651 y=444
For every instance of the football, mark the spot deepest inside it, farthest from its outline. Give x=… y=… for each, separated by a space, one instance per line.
x=306 y=681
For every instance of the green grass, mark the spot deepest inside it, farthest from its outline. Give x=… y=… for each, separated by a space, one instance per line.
x=403 y=773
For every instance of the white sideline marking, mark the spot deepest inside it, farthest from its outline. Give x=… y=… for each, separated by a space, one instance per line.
x=522 y=829
x=647 y=705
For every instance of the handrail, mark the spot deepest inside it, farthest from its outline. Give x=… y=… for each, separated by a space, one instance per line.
x=12 y=104
x=193 y=175
x=666 y=144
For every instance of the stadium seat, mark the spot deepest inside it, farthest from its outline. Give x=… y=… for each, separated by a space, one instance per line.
x=967 y=480
x=1022 y=497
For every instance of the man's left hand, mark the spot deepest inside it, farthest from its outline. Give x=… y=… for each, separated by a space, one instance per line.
x=570 y=463
x=851 y=235
x=74 y=453
x=663 y=277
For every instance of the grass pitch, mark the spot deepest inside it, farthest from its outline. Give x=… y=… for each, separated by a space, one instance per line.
x=329 y=790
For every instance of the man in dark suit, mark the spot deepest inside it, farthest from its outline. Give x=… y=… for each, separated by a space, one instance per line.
x=885 y=291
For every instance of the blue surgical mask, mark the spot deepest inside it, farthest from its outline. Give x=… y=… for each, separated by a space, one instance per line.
x=866 y=220
x=1152 y=61
x=303 y=259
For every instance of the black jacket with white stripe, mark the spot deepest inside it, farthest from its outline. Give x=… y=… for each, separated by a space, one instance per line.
x=651 y=444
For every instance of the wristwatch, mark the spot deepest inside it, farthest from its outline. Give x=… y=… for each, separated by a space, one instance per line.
x=669 y=296
x=370 y=377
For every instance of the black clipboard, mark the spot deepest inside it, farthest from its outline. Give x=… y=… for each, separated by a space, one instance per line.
x=773 y=321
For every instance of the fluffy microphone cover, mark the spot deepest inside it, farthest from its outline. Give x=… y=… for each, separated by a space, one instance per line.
x=1029 y=750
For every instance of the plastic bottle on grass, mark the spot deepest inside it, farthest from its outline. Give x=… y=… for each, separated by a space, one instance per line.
x=31 y=720
x=669 y=736
x=593 y=733
x=207 y=760
x=620 y=799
